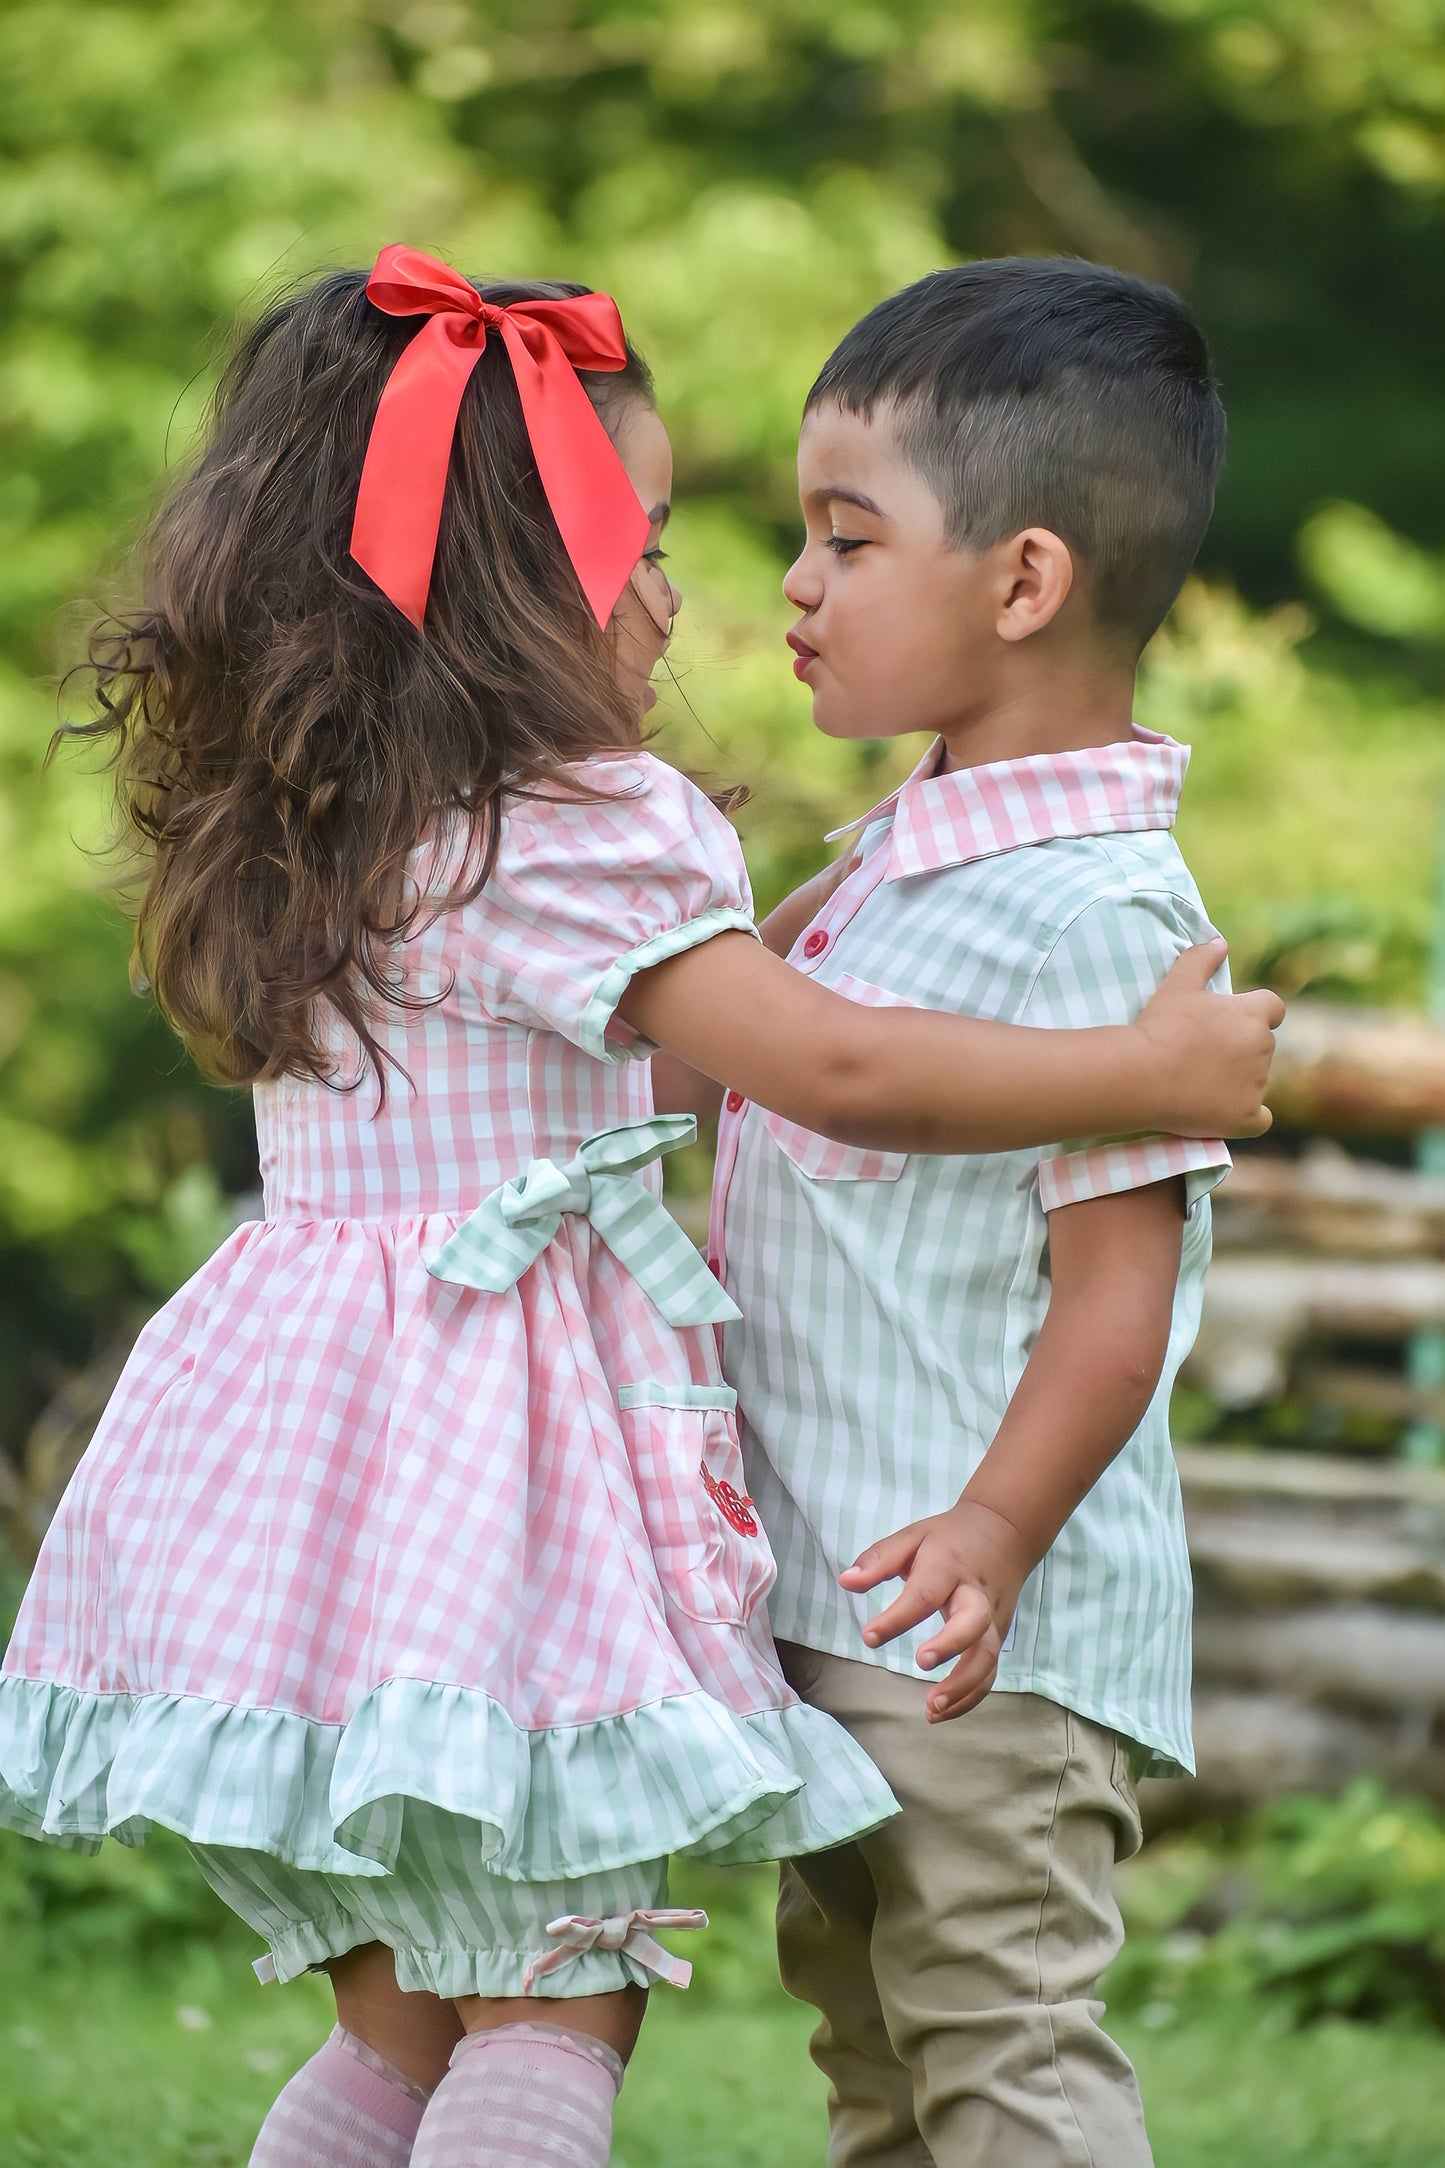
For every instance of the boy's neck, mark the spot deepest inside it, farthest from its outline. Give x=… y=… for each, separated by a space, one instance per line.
x=1057 y=715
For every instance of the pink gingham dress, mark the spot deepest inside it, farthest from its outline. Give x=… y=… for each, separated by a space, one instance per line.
x=423 y=1497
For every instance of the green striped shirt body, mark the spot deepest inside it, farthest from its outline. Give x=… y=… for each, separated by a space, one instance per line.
x=890 y=1301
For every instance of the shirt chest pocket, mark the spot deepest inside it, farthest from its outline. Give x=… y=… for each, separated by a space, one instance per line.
x=821 y=1159
x=711 y=1555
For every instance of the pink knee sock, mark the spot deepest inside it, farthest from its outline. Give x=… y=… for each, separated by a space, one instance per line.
x=346 y=2108
x=524 y=2096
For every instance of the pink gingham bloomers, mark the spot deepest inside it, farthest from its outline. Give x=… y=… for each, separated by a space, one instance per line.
x=424 y=1494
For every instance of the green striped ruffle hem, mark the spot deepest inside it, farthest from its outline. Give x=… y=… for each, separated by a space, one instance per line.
x=682 y=1775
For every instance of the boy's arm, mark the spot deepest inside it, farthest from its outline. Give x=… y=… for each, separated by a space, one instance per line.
x=1115 y=1216
x=1093 y=1371
x=782 y=926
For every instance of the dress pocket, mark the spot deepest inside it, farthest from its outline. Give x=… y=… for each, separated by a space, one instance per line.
x=820 y=1158
x=709 y=1550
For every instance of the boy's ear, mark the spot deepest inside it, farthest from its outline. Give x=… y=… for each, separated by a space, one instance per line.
x=1037 y=575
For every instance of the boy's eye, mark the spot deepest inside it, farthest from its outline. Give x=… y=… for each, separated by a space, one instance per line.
x=654 y=557
x=843 y=545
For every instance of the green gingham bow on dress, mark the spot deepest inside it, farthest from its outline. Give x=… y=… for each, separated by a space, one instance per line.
x=510 y=1229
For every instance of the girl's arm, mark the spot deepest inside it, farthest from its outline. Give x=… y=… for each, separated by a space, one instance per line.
x=913 y=1080
x=1092 y=1373
x=679 y=1089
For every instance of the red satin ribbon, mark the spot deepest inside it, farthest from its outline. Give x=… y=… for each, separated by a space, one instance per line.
x=603 y=526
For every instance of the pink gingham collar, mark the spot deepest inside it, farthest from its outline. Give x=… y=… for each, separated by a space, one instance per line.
x=969 y=813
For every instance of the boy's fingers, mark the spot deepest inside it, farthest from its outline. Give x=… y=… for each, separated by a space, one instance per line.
x=966 y=1686
x=886 y=1560
x=1265 y=1004
x=923 y=1594
x=1192 y=972
x=945 y=1711
x=971 y=1617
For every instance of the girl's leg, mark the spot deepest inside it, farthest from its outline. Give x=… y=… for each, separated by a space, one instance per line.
x=415 y=2033
x=614 y=2019
x=358 y=2103
x=533 y=2083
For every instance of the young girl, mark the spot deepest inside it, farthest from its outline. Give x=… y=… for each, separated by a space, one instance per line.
x=410 y=1576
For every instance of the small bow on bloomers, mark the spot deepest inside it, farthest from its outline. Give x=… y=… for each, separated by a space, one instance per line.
x=625 y=1931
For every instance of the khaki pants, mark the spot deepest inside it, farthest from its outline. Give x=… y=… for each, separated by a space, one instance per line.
x=953 y=1955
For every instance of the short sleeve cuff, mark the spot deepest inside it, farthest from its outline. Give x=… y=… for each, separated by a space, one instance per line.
x=1104 y=1170
x=600 y=1031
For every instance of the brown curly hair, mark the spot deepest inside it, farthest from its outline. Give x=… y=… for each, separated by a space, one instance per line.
x=282 y=737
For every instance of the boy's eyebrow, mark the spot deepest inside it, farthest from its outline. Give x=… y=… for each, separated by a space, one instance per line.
x=659 y=515
x=834 y=493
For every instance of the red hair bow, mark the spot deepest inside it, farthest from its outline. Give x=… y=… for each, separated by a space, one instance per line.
x=603 y=526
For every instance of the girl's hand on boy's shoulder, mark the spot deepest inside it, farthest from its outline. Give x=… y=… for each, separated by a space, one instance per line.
x=969 y=1564
x=1212 y=1051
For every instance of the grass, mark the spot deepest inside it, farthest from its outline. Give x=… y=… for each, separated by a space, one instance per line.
x=735 y=2091
x=1237 y=2093
x=170 y=2063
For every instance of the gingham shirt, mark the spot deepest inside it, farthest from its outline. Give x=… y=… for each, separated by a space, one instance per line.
x=890 y=1301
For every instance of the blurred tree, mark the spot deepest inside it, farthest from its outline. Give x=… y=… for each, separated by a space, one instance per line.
x=747 y=180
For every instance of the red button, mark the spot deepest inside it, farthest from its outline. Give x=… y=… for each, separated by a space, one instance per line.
x=734 y=1102
x=816 y=942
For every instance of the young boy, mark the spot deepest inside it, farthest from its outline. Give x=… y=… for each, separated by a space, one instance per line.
x=956 y=1371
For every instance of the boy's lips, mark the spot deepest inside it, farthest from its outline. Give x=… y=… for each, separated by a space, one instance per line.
x=804 y=656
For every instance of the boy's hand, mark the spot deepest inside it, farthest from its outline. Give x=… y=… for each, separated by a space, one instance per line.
x=968 y=1563
x=1213 y=1050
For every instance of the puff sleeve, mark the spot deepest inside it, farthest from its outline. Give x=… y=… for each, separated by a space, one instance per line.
x=588 y=891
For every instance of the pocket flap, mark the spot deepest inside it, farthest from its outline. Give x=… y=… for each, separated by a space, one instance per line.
x=823 y=1159
x=656 y=1394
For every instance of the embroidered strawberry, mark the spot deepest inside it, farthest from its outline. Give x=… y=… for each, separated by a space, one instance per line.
x=734 y=1508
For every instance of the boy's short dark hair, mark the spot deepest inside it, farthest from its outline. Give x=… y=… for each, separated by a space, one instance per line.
x=1043 y=391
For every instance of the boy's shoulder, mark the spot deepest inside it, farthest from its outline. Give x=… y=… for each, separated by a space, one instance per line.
x=978 y=935
x=1044 y=886
x=1076 y=872
x=1126 y=896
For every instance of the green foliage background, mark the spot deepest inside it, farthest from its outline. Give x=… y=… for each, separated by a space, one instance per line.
x=747 y=179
